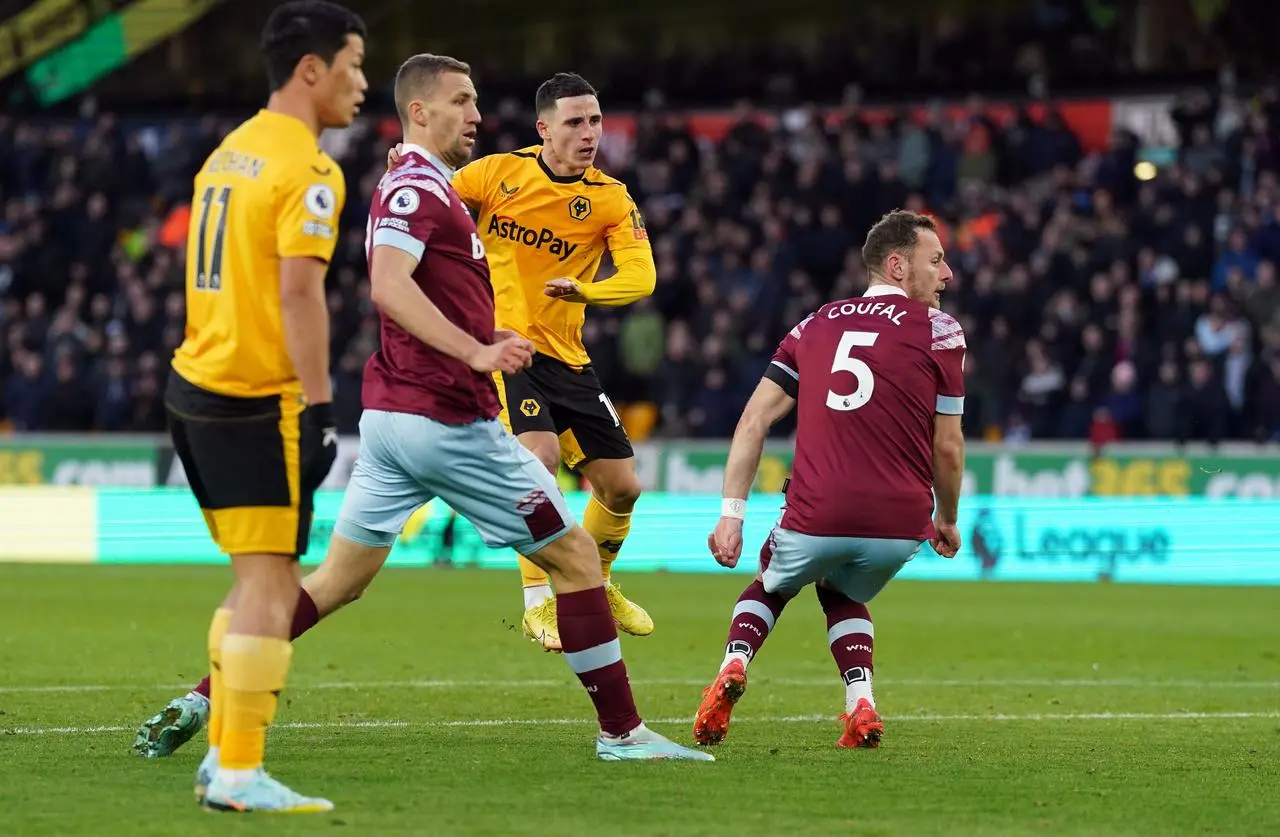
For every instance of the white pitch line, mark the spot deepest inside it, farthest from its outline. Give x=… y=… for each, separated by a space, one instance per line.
x=769 y=719
x=1130 y=683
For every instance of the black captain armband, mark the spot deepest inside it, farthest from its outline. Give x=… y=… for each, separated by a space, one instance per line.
x=784 y=377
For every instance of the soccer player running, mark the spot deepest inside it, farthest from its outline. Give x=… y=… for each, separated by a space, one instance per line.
x=879 y=385
x=429 y=427
x=250 y=401
x=546 y=216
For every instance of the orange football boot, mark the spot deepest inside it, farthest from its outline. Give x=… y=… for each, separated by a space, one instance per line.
x=711 y=724
x=862 y=726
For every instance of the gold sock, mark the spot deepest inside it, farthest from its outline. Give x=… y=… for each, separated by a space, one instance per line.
x=531 y=575
x=254 y=669
x=608 y=529
x=217 y=631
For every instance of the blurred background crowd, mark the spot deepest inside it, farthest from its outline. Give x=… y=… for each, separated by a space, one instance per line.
x=1107 y=291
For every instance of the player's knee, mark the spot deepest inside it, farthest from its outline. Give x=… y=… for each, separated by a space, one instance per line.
x=619 y=495
x=545 y=446
x=550 y=459
x=548 y=454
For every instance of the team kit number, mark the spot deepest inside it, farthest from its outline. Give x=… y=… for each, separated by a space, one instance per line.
x=209 y=265
x=845 y=362
x=613 y=414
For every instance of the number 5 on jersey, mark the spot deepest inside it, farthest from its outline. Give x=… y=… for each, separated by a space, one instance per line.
x=209 y=265
x=845 y=362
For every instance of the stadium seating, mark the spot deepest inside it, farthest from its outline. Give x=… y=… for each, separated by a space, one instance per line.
x=1097 y=304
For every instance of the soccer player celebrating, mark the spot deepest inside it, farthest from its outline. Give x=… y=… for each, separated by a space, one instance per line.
x=546 y=216
x=880 y=386
x=249 y=400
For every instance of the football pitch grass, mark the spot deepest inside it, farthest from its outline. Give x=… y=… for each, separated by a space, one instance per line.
x=421 y=710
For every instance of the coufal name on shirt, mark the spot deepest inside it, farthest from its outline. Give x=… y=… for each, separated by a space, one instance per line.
x=888 y=310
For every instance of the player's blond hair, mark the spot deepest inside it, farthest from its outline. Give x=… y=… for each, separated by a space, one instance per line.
x=896 y=232
x=415 y=77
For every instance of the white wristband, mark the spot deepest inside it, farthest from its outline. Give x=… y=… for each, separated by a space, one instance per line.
x=734 y=508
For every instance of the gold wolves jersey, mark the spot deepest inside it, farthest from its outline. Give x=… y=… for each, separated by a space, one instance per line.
x=537 y=226
x=266 y=193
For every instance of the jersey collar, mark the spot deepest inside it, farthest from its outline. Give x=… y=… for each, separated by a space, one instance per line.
x=557 y=178
x=288 y=122
x=885 y=290
x=414 y=148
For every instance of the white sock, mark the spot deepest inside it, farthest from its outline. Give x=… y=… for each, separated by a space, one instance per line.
x=236 y=778
x=197 y=696
x=536 y=595
x=857 y=689
x=730 y=656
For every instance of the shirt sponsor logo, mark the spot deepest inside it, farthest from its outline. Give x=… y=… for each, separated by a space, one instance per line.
x=545 y=238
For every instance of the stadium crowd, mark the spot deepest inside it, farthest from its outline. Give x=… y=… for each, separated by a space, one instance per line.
x=1097 y=304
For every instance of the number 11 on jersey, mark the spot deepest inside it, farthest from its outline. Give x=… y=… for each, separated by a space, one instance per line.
x=209 y=273
x=844 y=362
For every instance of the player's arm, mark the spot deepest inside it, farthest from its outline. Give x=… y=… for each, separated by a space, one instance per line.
x=636 y=274
x=399 y=297
x=396 y=254
x=948 y=466
x=306 y=233
x=768 y=405
x=948 y=351
x=305 y=314
x=775 y=397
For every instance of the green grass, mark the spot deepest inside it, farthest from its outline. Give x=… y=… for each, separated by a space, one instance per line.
x=1010 y=710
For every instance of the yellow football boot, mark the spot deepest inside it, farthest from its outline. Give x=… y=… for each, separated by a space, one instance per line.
x=628 y=615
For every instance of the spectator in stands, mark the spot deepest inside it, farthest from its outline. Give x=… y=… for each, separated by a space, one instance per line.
x=1081 y=287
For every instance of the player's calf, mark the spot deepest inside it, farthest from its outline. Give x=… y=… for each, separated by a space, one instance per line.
x=851 y=637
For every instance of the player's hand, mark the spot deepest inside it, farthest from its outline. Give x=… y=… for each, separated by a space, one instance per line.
x=508 y=356
x=947 y=540
x=393 y=157
x=500 y=334
x=318 y=444
x=725 y=542
x=566 y=289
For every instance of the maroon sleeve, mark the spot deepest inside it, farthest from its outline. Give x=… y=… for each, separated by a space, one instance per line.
x=784 y=369
x=406 y=212
x=948 y=350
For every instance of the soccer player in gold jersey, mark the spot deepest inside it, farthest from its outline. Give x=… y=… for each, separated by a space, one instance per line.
x=250 y=400
x=546 y=216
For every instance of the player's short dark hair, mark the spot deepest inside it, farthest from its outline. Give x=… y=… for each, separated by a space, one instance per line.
x=305 y=27
x=896 y=232
x=561 y=86
x=416 y=76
